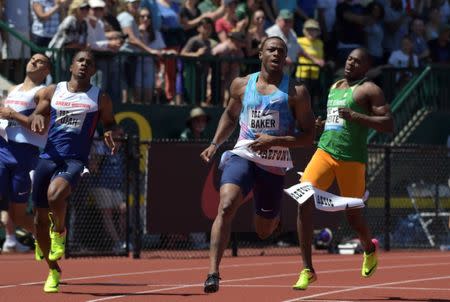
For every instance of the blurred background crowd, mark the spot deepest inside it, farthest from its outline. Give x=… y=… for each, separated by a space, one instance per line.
x=166 y=48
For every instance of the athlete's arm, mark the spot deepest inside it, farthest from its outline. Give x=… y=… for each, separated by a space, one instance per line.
x=39 y=120
x=108 y=121
x=229 y=119
x=380 y=117
x=300 y=104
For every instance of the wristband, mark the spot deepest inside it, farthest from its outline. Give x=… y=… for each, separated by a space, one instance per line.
x=215 y=144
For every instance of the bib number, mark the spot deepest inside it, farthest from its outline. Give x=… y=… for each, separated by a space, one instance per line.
x=333 y=122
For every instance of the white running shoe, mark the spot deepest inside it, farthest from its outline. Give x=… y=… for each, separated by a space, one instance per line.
x=14 y=246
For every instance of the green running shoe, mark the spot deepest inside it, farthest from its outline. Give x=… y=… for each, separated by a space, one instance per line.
x=52 y=283
x=38 y=254
x=58 y=245
x=305 y=279
x=370 y=262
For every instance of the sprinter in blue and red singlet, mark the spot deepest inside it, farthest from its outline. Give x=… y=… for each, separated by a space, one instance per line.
x=269 y=107
x=73 y=109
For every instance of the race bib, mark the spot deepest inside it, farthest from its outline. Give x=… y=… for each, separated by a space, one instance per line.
x=71 y=121
x=264 y=119
x=333 y=122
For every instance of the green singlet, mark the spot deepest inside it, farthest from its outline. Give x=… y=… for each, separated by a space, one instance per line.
x=344 y=140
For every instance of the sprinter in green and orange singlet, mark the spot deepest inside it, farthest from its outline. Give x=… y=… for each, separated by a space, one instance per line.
x=354 y=105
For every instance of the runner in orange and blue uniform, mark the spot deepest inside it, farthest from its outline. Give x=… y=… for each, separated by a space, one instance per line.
x=354 y=105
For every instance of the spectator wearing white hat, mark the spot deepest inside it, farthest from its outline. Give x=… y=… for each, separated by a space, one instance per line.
x=98 y=42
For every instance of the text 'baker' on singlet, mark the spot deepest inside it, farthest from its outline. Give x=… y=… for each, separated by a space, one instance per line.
x=344 y=140
x=265 y=114
x=23 y=102
x=73 y=120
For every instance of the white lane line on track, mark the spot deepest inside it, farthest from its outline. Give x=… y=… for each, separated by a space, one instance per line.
x=311 y=286
x=379 y=285
x=223 y=266
x=272 y=276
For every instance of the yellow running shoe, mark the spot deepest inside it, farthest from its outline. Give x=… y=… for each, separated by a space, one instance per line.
x=305 y=279
x=57 y=246
x=52 y=283
x=370 y=262
x=38 y=254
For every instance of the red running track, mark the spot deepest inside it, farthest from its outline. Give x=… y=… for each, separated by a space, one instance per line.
x=401 y=276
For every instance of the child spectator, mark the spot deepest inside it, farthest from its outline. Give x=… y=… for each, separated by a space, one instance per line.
x=199 y=45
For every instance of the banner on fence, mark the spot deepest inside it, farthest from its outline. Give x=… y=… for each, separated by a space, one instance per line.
x=183 y=192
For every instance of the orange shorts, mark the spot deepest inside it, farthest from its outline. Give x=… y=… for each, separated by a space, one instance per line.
x=323 y=169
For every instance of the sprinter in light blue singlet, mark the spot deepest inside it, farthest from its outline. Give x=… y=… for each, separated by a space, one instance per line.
x=19 y=149
x=72 y=109
x=268 y=106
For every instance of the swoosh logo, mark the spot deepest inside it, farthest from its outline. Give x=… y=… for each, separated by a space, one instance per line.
x=211 y=196
x=369 y=271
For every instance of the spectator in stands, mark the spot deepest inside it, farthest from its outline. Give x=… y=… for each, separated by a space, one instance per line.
x=396 y=22
x=146 y=70
x=350 y=23
x=132 y=45
x=228 y=22
x=433 y=25
x=2 y=33
x=440 y=47
x=419 y=40
x=404 y=58
x=110 y=18
x=46 y=18
x=72 y=32
x=326 y=15
x=246 y=9
x=107 y=171
x=375 y=33
x=232 y=47
x=97 y=41
x=295 y=7
x=199 y=45
x=16 y=16
x=255 y=35
x=195 y=125
x=152 y=7
x=283 y=29
x=209 y=5
x=313 y=46
x=174 y=37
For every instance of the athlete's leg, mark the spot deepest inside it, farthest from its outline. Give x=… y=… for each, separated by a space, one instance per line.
x=20 y=217
x=58 y=192
x=230 y=200
x=268 y=192
x=320 y=173
x=67 y=176
x=42 y=225
x=236 y=182
x=27 y=157
x=350 y=177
